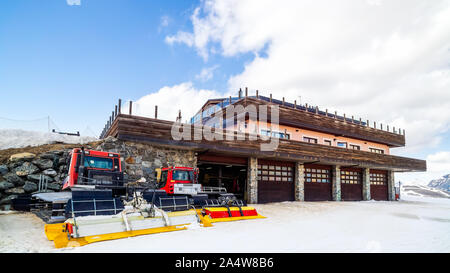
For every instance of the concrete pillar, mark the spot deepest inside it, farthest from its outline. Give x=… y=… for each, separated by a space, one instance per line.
x=366 y=184
x=336 y=183
x=391 y=185
x=299 y=182
x=252 y=180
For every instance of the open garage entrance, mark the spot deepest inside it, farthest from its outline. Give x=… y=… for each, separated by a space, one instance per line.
x=223 y=171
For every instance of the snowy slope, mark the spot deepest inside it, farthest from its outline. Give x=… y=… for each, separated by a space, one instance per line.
x=11 y=138
x=415 y=224
x=424 y=191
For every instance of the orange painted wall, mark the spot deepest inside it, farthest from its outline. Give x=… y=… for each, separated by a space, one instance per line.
x=294 y=135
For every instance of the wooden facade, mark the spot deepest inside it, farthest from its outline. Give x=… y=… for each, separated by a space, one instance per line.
x=135 y=128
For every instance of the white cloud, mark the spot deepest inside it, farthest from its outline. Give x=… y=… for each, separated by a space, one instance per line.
x=438 y=165
x=171 y=99
x=73 y=2
x=386 y=61
x=207 y=73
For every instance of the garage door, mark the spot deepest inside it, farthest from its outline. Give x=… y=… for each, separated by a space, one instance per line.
x=275 y=181
x=351 y=184
x=378 y=185
x=318 y=183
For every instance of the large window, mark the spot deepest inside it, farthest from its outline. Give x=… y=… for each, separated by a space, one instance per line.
x=275 y=134
x=378 y=151
x=98 y=162
x=355 y=147
x=310 y=140
x=342 y=144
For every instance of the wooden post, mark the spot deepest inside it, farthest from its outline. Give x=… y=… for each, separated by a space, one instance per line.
x=283 y=101
x=353 y=120
x=306 y=107
x=345 y=119
x=387 y=128
x=257 y=94
x=394 y=130
x=112 y=117
x=120 y=106
x=360 y=121
x=156 y=111
x=335 y=114
x=246 y=92
x=270 y=97
x=131 y=108
x=317 y=109
x=115 y=112
x=374 y=125
x=403 y=131
x=230 y=99
x=367 y=124
x=326 y=112
x=240 y=92
x=295 y=104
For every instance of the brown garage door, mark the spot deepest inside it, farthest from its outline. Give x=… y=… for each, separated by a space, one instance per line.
x=275 y=181
x=317 y=183
x=378 y=185
x=351 y=184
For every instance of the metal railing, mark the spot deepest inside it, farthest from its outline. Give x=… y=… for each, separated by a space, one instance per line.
x=174 y=206
x=95 y=210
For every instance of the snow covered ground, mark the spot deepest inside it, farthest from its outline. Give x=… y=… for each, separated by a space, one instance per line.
x=415 y=224
x=11 y=138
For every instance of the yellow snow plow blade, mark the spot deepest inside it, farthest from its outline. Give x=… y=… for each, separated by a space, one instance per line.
x=83 y=231
x=62 y=240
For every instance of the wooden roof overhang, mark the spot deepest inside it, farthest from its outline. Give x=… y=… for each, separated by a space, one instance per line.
x=297 y=118
x=156 y=131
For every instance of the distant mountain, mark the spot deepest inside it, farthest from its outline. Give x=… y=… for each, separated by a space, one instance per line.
x=442 y=183
x=10 y=138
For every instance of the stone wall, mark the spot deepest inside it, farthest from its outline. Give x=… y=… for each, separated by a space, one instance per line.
x=140 y=160
x=20 y=174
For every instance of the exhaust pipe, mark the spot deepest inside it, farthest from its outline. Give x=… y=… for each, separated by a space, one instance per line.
x=81 y=168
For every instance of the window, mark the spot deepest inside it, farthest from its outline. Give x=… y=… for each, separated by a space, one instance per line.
x=317 y=175
x=182 y=175
x=355 y=147
x=378 y=179
x=327 y=142
x=163 y=179
x=98 y=162
x=310 y=140
x=275 y=134
x=277 y=173
x=342 y=144
x=378 y=151
x=350 y=177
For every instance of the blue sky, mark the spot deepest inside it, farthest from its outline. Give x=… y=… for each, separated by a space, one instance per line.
x=73 y=62
x=73 y=59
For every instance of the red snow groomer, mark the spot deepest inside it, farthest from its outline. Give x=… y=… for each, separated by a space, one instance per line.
x=214 y=203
